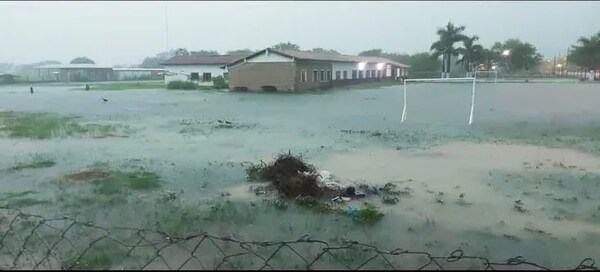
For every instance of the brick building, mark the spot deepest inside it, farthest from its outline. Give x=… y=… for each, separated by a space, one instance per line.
x=293 y=70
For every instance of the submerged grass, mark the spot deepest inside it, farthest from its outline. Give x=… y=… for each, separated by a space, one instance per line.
x=21 y=199
x=120 y=86
x=373 y=85
x=37 y=162
x=47 y=125
x=103 y=186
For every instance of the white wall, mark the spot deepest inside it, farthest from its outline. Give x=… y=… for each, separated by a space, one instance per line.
x=343 y=66
x=183 y=72
x=269 y=58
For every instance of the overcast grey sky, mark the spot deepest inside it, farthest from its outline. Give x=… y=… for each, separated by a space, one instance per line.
x=126 y=32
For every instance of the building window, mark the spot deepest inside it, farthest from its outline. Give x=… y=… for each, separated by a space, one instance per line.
x=378 y=73
x=353 y=74
x=338 y=75
x=303 y=76
x=345 y=75
x=322 y=75
x=194 y=76
x=329 y=75
x=206 y=77
x=368 y=74
x=315 y=74
x=361 y=74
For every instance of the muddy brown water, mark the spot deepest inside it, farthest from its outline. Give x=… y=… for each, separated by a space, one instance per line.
x=178 y=136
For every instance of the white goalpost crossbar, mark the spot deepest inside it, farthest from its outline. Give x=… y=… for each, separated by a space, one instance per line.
x=493 y=71
x=473 y=79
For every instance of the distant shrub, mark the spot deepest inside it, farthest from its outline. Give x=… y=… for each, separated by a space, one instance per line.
x=181 y=85
x=219 y=83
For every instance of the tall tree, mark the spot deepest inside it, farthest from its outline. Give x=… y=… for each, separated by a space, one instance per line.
x=522 y=55
x=181 y=52
x=82 y=60
x=240 y=52
x=286 y=46
x=471 y=54
x=587 y=52
x=372 y=53
x=326 y=51
x=448 y=36
x=203 y=53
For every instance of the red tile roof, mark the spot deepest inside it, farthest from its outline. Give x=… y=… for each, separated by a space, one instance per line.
x=195 y=59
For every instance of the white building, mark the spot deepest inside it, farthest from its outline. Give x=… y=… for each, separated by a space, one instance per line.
x=137 y=73
x=200 y=69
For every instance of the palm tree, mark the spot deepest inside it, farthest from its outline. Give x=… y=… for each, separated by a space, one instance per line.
x=587 y=52
x=445 y=45
x=471 y=54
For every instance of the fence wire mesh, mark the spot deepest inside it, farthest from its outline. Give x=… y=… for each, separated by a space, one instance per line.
x=33 y=242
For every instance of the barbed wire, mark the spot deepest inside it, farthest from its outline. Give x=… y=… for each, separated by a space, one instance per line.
x=33 y=242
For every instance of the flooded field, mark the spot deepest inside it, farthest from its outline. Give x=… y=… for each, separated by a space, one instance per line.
x=524 y=179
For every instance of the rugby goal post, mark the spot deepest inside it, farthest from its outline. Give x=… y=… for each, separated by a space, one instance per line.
x=458 y=79
x=489 y=72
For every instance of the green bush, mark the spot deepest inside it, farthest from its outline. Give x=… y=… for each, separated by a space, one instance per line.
x=181 y=85
x=219 y=83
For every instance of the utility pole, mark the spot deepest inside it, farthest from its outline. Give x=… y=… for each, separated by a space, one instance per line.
x=554 y=65
x=167 y=30
x=567 y=61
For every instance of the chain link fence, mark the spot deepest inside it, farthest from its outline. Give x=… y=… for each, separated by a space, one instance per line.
x=34 y=242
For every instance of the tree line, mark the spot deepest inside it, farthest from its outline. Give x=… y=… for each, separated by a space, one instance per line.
x=453 y=47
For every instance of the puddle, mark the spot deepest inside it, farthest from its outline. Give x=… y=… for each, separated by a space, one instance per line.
x=463 y=168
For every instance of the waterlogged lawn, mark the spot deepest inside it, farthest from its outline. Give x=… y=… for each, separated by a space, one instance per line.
x=35 y=162
x=41 y=126
x=120 y=86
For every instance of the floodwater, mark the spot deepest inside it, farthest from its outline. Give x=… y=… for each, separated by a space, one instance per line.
x=429 y=153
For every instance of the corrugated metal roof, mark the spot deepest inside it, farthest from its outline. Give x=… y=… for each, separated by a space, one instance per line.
x=211 y=59
x=308 y=55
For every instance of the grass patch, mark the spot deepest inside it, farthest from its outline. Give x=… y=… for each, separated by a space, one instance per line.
x=103 y=255
x=25 y=202
x=316 y=205
x=179 y=220
x=120 y=86
x=37 y=162
x=181 y=85
x=47 y=125
x=119 y=182
x=369 y=213
x=21 y=199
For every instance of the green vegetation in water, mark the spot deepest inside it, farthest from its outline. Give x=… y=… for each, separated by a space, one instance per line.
x=369 y=213
x=110 y=187
x=47 y=125
x=182 y=219
x=218 y=84
x=119 y=182
x=37 y=162
x=103 y=255
x=373 y=85
x=182 y=85
x=136 y=85
x=20 y=199
x=316 y=205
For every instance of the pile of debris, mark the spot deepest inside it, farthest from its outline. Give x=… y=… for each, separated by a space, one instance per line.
x=293 y=177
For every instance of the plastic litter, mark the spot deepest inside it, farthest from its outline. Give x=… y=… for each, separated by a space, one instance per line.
x=352 y=211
